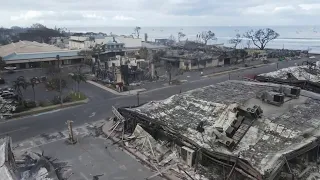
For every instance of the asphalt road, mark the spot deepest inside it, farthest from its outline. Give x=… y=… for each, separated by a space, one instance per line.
x=99 y=106
x=40 y=91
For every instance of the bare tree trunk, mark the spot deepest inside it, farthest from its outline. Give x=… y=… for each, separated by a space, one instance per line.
x=34 y=94
x=60 y=89
x=60 y=82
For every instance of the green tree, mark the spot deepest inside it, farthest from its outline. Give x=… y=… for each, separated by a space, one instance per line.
x=57 y=79
x=87 y=57
x=39 y=33
x=20 y=84
x=78 y=77
x=261 y=37
x=33 y=83
x=137 y=31
x=2 y=63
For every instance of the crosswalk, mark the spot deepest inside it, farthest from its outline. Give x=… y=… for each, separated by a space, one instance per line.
x=43 y=139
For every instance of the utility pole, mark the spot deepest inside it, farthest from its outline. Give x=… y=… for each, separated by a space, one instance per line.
x=138 y=93
x=71 y=137
x=60 y=85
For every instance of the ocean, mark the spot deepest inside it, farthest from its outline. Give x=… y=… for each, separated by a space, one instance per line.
x=291 y=37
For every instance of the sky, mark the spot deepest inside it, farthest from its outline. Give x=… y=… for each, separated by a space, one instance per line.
x=102 y=13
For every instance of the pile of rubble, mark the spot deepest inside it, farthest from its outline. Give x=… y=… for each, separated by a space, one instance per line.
x=30 y=165
x=202 y=116
x=298 y=72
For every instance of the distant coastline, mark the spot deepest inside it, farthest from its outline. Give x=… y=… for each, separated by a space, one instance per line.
x=291 y=37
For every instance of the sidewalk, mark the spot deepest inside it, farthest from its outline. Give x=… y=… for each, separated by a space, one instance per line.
x=106 y=130
x=126 y=93
x=234 y=70
x=251 y=64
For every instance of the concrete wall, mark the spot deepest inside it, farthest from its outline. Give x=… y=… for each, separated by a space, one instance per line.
x=185 y=64
x=76 y=44
x=130 y=42
x=129 y=61
x=192 y=65
x=213 y=63
x=115 y=62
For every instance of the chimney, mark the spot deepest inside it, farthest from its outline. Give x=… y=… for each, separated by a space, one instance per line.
x=145 y=37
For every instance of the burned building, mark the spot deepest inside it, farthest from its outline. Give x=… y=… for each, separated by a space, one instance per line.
x=305 y=76
x=190 y=55
x=228 y=126
x=8 y=168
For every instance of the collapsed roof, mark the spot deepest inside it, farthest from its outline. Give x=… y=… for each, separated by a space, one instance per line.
x=6 y=171
x=308 y=73
x=280 y=132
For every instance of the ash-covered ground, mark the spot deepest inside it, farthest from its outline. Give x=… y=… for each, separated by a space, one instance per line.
x=280 y=130
x=299 y=72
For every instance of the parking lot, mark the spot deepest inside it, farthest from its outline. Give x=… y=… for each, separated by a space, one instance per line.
x=9 y=97
x=41 y=93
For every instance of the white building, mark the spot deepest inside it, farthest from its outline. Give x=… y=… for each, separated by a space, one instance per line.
x=130 y=43
x=118 y=61
x=112 y=42
x=27 y=54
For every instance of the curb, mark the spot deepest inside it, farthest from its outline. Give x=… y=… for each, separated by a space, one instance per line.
x=104 y=87
x=48 y=108
x=126 y=93
x=234 y=70
x=114 y=140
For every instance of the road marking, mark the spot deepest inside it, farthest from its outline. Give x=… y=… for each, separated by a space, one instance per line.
x=49 y=112
x=20 y=129
x=92 y=114
x=84 y=176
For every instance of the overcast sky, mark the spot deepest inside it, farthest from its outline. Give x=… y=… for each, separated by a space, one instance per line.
x=80 y=13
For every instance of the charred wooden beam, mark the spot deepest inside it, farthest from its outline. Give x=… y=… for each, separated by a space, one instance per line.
x=142 y=119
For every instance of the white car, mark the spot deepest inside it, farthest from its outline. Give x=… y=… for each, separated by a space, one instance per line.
x=10 y=68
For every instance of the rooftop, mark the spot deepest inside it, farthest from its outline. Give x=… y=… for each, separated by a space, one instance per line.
x=153 y=45
x=39 y=55
x=280 y=131
x=26 y=47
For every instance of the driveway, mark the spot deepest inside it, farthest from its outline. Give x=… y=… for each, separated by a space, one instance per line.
x=94 y=156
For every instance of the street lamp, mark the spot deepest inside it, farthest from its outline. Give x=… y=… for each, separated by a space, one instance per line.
x=60 y=85
x=138 y=98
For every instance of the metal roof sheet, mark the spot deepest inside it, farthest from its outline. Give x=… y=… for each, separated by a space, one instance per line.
x=43 y=55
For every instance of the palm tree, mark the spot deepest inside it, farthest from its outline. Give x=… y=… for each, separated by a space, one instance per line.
x=2 y=63
x=33 y=84
x=72 y=76
x=78 y=78
x=137 y=31
x=87 y=56
x=19 y=84
x=98 y=49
